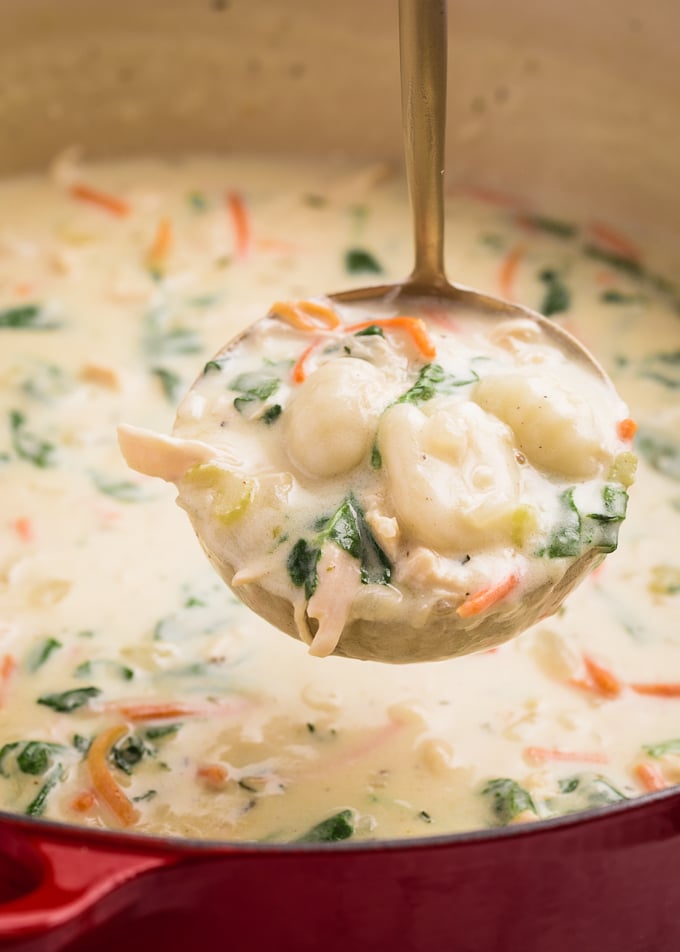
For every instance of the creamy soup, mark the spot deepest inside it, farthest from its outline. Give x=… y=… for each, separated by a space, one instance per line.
x=136 y=691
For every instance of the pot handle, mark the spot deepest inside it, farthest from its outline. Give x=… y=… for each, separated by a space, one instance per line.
x=68 y=880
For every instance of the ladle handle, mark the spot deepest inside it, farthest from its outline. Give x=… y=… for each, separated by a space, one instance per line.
x=423 y=37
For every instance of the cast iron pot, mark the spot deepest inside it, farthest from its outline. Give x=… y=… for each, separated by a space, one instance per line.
x=563 y=107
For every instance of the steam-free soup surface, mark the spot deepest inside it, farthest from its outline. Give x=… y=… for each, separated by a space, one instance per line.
x=136 y=691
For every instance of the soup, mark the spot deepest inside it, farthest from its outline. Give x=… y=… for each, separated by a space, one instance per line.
x=136 y=691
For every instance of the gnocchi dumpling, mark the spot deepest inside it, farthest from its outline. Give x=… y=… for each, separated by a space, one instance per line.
x=558 y=429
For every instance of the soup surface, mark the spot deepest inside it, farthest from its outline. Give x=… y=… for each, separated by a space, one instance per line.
x=136 y=692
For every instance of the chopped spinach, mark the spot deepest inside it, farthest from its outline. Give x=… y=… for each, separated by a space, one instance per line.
x=215 y=365
x=613 y=296
x=348 y=529
x=69 y=701
x=124 y=490
x=338 y=827
x=4 y=751
x=433 y=381
x=508 y=799
x=371 y=331
x=129 y=752
x=81 y=744
x=613 y=259
x=42 y=652
x=36 y=757
x=37 y=806
x=197 y=201
x=84 y=670
x=301 y=563
x=26 y=317
x=597 y=529
x=584 y=792
x=149 y=795
x=271 y=414
x=164 y=337
x=376 y=457
x=254 y=388
x=27 y=445
x=162 y=730
x=566 y=540
x=557 y=297
x=664 y=368
x=359 y=260
x=661 y=450
x=171 y=383
x=551 y=226
x=658 y=750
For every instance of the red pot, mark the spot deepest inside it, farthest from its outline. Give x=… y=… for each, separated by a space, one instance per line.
x=606 y=880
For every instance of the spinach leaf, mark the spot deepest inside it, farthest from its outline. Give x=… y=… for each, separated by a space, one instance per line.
x=658 y=750
x=598 y=529
x=557 y=297
x=271 y=414
x=358 y=260
x=620 y=262
x=348 y=529
x=371 y=331
x=508 y=799
x=171 y=383
x=254 y=387
x=84 y=670
x=215 y=366
x=27 y=445
x=612 y=296
x=584 y=792
x=335 y=828
x=664 y=368
x=433 y=381
x=36 y=757
x=69 y=701
x=124 y=490
x=37 y=806
x=301 y=564
x=42 y=653
x=566 y=540
x=165 y=338
x=551 y=226
x=129 y=752
x=162 y=730
x=4 y=751
x=661 y=450
x=197 y=201
x=26 y=317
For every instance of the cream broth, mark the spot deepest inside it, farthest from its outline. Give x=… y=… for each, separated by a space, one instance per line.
x=136 y=691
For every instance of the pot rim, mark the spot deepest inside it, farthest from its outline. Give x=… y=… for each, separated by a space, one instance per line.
x=143 y=842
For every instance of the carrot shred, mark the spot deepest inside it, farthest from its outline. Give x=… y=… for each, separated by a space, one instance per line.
x=155 y=710
x=626 y=429
x=157 y=255
x=540 y=754
x=24 y=529
x=105 y=786
x=240 y=220
x=305 y=315
x=650 y=777
x=83 y=801
x=413 y=326
x=615 y=240
x=213 y=775
x=299 y=372
x=602 y=678
x=659 y=689
x=508 y=271
x=480 y=601
x=8 y=666
x=110 y=203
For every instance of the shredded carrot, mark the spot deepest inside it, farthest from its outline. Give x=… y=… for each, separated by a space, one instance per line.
x=24 y=529
x=626 y=429
x=615 y=240
x=667 y=689
x=650 y=777
x=413 y=326
x=110 y=203
x=105 y=786
x=213 y=775
x=508 y=271
x=479 y=602
x=23 y=289
x=540 y=754
x=240 y=222
x=155 y=710
x=605 y=278
x=157 y=255
x=7 y=668
x=602 y=678
x=83 y=801
x=299 y=372
x=306 y=315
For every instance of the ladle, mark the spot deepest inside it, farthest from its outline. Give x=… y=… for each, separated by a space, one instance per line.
x=423 y=49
